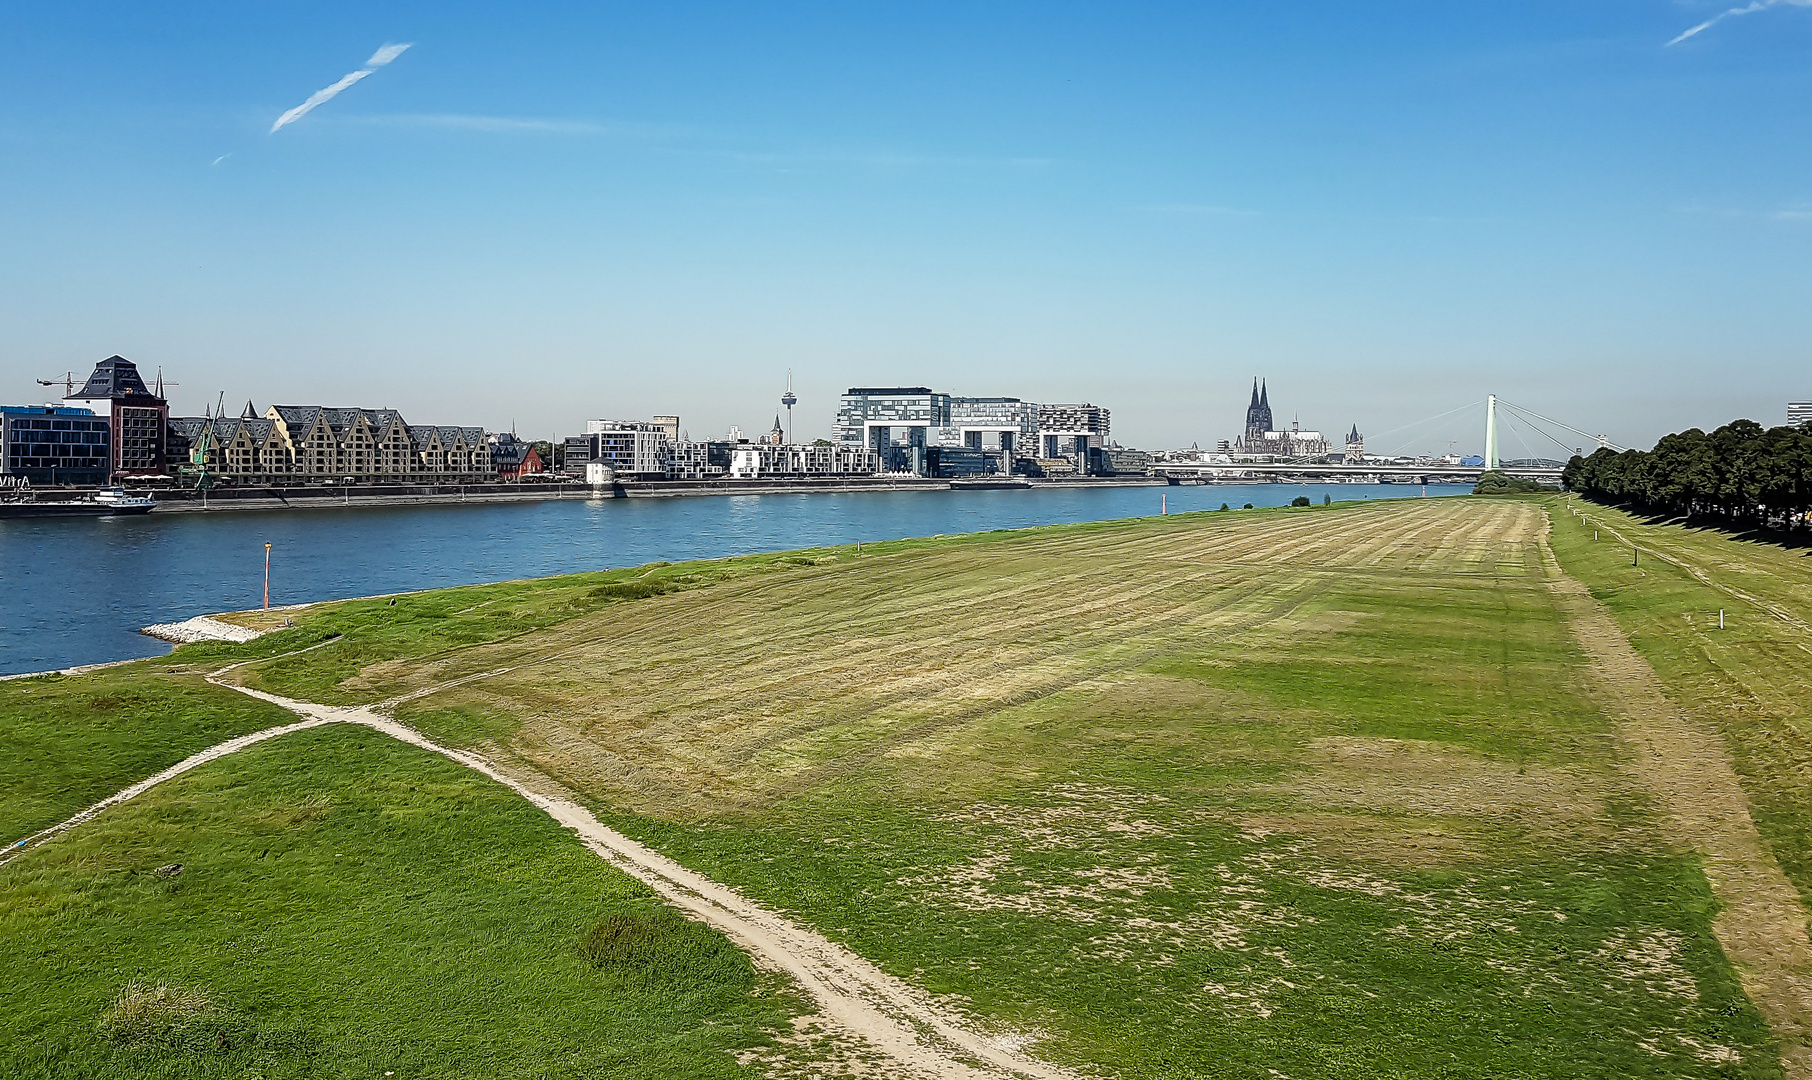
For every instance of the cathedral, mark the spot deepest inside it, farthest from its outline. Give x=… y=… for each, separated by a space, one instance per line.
x=1258 y=414
x=1263 y=437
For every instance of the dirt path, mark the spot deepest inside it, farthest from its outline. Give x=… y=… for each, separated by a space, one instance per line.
x=1686 y=766
x=894 y=1022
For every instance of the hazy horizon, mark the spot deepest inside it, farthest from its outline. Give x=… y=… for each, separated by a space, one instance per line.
x=532 y=218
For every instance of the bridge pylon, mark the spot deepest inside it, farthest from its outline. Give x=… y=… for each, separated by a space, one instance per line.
x=1490 y=431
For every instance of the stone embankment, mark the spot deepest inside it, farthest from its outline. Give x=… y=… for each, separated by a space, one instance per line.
x=200 y=628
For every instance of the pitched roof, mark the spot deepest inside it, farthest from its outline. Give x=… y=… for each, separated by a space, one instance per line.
x=189 y=426
x=297 y=416
x=115 y=377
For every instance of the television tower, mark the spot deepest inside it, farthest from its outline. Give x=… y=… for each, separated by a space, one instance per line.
x=789 y=401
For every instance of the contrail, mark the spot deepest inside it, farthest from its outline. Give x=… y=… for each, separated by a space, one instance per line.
x=1747 y=9
x=378 y=59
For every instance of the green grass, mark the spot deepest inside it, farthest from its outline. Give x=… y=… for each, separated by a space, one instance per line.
x=349 y=907
x=66 y=742
x=348 y=638
x=1397 y=973
x=1091 y=863
x=1320 y=791
x=1753 y=678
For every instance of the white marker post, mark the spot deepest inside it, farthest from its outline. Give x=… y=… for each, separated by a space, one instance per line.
x=267 y=577
x=1720 y=618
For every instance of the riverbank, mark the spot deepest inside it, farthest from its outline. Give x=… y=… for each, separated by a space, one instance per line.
x=1129 y=760
x=340 y=497
x=169 y=566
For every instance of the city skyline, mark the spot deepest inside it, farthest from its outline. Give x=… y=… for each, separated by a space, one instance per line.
x=545 y=217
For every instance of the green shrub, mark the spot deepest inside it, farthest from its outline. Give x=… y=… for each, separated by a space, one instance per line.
x=146 y=1014
x=1224 y=506
x=1493 y=482
x=630 y=590
x=173 y=1019
x=660 y=943
x=1300 y=500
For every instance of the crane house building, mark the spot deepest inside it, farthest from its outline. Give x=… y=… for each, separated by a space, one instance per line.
x=138 y=419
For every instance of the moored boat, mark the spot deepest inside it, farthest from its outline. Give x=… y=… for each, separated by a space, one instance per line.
x=104 y=503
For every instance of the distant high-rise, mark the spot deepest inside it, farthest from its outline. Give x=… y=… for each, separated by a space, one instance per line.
x=1799 y=412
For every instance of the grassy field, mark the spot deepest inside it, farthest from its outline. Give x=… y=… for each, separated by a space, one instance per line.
x=66 y=742
x=1321 y=792
x=352 y=907
x=1752 y=678
x=1314 y=791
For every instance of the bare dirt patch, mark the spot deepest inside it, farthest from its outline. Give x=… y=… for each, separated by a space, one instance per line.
x=1440 y=780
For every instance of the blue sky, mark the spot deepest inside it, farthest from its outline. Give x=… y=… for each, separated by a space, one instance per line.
x=536 y=216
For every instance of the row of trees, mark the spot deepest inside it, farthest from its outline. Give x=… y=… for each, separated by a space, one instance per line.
x=1741 y=471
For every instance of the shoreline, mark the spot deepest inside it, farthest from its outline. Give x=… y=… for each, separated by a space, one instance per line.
x=630 y=537
x=329 y=497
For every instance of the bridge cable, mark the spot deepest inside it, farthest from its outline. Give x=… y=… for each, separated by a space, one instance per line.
x=1558 y=424
x=1430 y=426
x=1524 y=421
x=1428 y=419
x=1516 y=428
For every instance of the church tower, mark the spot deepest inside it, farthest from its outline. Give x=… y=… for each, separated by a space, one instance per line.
x=1355 y=447
x=1258 y=414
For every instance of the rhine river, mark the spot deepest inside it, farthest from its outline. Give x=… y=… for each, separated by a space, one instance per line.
x=76 y=590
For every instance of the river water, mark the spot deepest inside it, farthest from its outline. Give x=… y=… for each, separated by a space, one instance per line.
x=76 y=590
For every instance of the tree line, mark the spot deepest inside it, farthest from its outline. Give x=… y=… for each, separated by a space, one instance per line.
x=1741 y=471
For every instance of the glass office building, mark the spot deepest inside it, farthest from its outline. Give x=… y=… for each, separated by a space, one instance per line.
x=52 y=444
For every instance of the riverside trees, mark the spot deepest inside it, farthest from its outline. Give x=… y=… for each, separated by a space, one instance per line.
x=1740 y=471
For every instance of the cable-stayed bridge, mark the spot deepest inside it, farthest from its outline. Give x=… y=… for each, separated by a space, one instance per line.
x=1534 y=432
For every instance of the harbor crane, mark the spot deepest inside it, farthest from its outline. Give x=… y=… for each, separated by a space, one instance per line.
x=203 y=448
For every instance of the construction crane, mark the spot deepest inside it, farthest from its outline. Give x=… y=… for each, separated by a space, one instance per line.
x=67 y=382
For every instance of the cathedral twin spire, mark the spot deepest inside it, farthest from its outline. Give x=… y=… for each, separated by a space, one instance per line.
x=1258 y=414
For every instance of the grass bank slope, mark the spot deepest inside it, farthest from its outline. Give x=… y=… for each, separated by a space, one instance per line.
x=1320 y=791
x=350 y=906
x=68 y=741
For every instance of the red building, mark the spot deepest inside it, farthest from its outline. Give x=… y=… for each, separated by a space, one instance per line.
x=138 y=419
